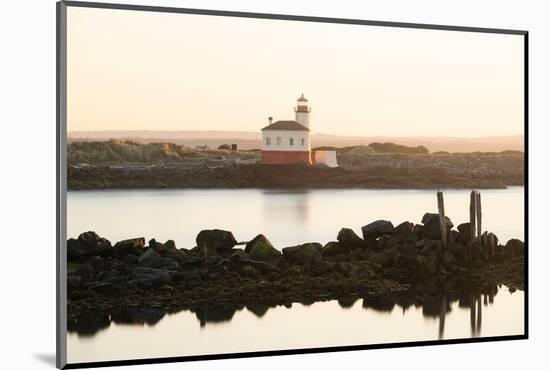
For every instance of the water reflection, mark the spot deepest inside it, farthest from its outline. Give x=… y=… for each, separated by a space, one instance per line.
x=435 y=299
x=292 y=206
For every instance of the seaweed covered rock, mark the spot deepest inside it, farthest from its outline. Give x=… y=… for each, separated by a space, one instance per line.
x=303 y=254
x=515 y=247
x=261 y=249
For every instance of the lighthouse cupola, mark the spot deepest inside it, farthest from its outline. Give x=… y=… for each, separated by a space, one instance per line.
x=302 y=110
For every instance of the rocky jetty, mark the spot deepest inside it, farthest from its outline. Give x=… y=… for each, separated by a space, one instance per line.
x=106 y=278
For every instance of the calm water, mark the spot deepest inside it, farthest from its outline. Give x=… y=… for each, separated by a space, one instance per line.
x=285 y=217
x=211 y=330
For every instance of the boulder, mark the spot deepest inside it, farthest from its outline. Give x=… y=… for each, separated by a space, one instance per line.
x=515 y=246
x=170 y=244
x=262 y=250
x=87 y=244
x=302 y=254
x=332 y=249
x=249 y=271
x=150 y=259
x=405 y=228
x=133 y=246
x=349 y=239
x=431 y=229
x=377 y=228
x=218 y=240
x=157 y=247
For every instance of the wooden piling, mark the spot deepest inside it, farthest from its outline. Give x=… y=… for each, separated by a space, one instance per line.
x=491 y=245
x=442 y=224
x=472 y=220
x=478 y=214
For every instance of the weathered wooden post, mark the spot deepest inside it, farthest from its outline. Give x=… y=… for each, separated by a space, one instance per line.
x=472 y=221
x=442 y=224
x=485 y=245
x=442 y=313
x=478 y=214
x=491 y=245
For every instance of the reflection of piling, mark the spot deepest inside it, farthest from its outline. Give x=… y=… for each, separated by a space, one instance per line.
x=472 y=313
x=478 y=327
x=442 y=225
x=442 y=312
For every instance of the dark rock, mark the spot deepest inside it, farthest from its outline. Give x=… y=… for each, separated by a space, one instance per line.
x=349 y=239
x=131 y=259
x=74 y=281
x=262 y=250
x=250 y=271
x=320 y=267
x=515 y=246
x=431 y=229
x=98 y=263
x=218 y=240
x=448 y=260
x=107 y=289
x=332 y=249
x=133 y=246
x=405 y=228
x=346 y=269
x=87 y=244
x=381 y=242
x=170 y=244
x=191 y=275
x=238 y=256
x=85 y=270
x=151 y=276
x=169 y=264
x=150 y=259
x=377 y=228
x=426 y=264
x=302 y=254
x=261 y=266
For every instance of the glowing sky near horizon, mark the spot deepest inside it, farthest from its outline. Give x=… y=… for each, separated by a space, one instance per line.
x=130 y=70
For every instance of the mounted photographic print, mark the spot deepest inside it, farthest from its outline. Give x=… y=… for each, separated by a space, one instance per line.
x=239 y=184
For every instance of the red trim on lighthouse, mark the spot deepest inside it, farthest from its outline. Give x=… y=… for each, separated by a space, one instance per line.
x=285 y=157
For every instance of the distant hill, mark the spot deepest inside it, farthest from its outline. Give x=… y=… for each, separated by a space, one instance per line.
x=251 y=140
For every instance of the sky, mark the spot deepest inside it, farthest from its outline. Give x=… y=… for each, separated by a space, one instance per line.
x=130 y=70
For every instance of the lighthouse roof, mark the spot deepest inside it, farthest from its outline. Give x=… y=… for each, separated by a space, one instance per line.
x=286 y=125
x=302 y=98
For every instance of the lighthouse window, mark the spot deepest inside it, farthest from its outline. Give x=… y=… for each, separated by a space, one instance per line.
x=291 y=141
x=303 y=141
x=278 y=141
x=267 y=141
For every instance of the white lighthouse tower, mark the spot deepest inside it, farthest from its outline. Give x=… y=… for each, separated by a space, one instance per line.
x=302 y=110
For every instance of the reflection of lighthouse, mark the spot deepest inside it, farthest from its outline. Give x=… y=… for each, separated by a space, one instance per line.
x=302 y=112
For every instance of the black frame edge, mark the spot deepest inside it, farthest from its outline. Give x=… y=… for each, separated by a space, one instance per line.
x=288 y=17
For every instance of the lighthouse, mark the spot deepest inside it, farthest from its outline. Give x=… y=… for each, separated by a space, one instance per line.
x=285 y=141
x=302 y=111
